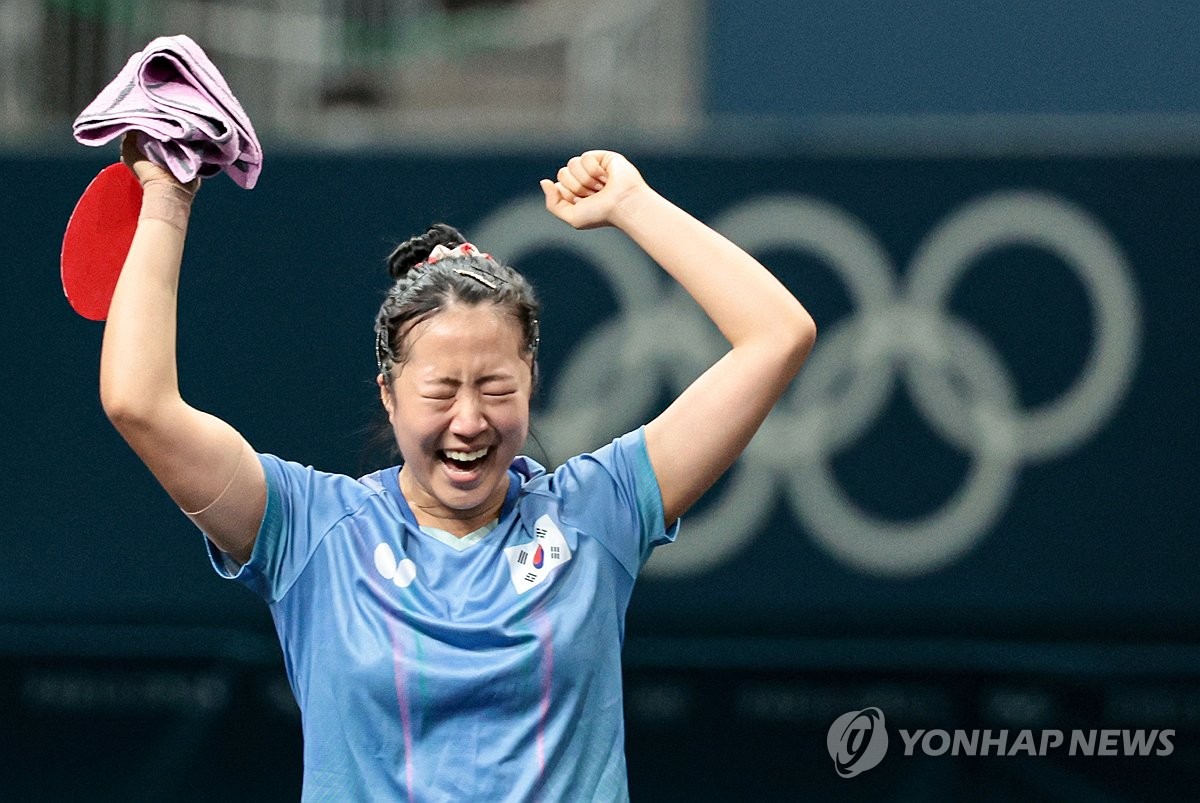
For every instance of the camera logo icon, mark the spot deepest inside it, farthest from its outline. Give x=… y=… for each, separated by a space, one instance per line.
x=857 y=741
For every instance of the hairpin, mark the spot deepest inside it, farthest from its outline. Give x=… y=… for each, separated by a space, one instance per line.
x=382 y=351
x=477 y=276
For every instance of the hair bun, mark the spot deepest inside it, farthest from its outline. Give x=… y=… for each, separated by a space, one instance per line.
x=415 y=250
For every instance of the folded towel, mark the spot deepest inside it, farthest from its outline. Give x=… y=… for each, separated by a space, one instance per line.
x=187 y=119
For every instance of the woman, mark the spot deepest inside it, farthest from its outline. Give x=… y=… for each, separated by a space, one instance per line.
x=452 y=626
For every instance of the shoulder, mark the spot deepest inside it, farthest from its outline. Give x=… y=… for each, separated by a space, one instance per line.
x=298 y=483
x=610 y=495
x=618 y=470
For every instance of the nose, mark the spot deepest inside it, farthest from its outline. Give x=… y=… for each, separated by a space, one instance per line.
x=468 y=421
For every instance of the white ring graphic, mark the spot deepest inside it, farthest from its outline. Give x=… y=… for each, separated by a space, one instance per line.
x=661 y=341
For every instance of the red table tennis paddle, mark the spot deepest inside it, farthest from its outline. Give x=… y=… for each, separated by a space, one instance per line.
x=97 y=240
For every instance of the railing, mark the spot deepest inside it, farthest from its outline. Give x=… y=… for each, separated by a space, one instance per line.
x=348 y=72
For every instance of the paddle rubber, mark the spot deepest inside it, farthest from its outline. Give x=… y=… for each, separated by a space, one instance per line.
x=97 y=240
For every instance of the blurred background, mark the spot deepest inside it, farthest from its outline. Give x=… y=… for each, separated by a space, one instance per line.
x=975 y=509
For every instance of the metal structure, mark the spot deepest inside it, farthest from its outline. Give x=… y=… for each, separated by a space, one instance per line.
x=374 y=72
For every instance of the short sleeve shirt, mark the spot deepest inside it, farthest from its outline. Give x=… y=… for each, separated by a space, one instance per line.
x=433 y=668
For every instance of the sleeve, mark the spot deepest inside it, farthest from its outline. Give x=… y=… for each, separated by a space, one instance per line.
x=303 y=504
x=612 y=494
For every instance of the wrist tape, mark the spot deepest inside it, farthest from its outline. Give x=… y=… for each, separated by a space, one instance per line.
x=168 y=202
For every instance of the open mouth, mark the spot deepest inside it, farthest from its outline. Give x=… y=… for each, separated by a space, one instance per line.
x=463 y=462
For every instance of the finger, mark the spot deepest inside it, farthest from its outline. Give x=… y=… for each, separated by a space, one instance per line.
x=566 y=194
x=591 y=162
x=568 y=180
x=553 y=199
x=129 y=149
x=556 y=194
x=580 y=172
x=146 y=171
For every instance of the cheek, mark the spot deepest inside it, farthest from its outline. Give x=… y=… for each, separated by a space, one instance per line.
x=512 y=420
x=414 y=426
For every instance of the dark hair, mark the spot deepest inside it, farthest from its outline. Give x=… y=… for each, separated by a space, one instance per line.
x=422 y=288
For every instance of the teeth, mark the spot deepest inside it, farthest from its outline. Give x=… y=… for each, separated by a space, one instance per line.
x=467 y=457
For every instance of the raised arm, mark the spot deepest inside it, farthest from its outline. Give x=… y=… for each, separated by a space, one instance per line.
x=770 y=332
x=209 y=469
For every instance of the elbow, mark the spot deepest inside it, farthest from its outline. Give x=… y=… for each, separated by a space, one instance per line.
x=117 y=406
x=119 y=403
x=118 y=397
x=785 y=339
x=123 y=412
x=129 y=412
x=798 y=337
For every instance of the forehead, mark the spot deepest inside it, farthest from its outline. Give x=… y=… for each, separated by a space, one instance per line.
x=462 y=337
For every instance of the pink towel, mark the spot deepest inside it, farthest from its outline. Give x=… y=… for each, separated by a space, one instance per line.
x=187 y=118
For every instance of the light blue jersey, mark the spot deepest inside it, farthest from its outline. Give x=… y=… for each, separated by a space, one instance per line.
x=431 y=668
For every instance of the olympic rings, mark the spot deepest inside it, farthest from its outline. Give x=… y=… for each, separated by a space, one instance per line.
x=899 y=332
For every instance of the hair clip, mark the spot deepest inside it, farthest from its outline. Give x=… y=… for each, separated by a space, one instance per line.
x=477 y=276
x=382 y=352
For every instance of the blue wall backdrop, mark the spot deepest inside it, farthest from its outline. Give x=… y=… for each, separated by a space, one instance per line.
x=976 y=507
x=865 y=57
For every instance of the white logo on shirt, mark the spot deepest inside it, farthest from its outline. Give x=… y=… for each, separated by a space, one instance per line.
x=530 y=564
x=402 y=573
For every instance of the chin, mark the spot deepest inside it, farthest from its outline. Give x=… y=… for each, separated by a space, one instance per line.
x=473 y=495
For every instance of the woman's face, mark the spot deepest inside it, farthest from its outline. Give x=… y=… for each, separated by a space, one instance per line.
x=459 y=407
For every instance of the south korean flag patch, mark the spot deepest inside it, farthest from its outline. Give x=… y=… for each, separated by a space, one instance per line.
x=529 y=564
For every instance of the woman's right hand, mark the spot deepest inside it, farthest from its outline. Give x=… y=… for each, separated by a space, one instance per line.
x=146 y=171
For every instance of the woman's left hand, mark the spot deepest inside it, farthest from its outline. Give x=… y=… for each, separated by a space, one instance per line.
x=593 y=189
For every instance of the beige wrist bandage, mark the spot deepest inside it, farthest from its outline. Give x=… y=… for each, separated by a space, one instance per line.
x=167 y=202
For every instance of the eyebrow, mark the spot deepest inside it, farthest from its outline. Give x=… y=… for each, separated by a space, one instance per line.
x=446 y=381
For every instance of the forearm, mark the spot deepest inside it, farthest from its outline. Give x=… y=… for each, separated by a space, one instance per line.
x=137 y=365
x=770 y=331
x=746 y=302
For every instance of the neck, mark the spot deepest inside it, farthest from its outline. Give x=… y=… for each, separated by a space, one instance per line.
x=429 y=512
